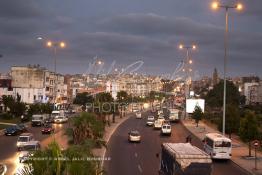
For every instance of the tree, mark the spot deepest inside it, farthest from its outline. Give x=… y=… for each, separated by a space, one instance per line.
x=214 y=97
x=83 y=98
x=53 y=160
x=122 y=99
x=248 y=130
x=104 y=102
x=86 y=126
x=8 y=101
x=232 y=120
x=197 y=114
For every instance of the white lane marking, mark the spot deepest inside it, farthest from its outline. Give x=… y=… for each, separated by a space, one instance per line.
x=135 y=154
x=140 y=169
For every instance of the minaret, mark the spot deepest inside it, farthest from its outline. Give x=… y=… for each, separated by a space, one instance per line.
x=215 y=77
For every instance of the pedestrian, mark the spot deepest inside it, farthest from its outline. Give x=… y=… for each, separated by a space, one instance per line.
x=188 y=139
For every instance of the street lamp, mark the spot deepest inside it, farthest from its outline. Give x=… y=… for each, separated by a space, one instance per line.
x=55 y=46
x=186 y=69
x=215 y=6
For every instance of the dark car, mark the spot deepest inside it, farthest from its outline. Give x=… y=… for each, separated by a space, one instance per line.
x=48 y=129
x=22 y=127
x=13 y=130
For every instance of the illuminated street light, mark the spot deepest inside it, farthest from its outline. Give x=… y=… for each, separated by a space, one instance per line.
x=216 y=5
x=187 y=70
x=55 y=46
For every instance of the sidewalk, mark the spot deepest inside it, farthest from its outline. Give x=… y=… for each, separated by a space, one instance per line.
x=239 y=149
x=109 y=130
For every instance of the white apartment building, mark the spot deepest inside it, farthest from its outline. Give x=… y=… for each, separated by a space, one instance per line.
x=253 y=92
x=36 y=84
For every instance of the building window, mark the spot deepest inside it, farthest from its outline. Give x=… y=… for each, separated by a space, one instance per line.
x=47 y=89
x=34 y=97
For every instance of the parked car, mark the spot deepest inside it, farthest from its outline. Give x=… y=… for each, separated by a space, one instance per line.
x=157 y=124
x=139 y=115
x=48 y=129
x=166 y=129
x=60 y=119
x=23 y=139
x=13 y=130
x=134 y=136
x=150 y=120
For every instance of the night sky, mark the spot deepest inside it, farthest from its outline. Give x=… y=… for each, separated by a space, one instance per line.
x=126 y=31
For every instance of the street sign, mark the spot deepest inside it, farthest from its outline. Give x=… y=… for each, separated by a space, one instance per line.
x=256 y=143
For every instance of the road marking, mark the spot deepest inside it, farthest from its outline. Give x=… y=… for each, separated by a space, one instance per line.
x=136 y=155
x=140 y=169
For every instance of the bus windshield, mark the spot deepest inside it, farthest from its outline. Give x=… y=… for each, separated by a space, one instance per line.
x=222 y=144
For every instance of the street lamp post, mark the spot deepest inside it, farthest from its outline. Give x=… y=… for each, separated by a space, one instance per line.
x=186 y=69
x=55 y=46
x=216 y=5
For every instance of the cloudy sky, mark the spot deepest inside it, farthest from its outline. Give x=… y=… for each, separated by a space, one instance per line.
x=126 y=31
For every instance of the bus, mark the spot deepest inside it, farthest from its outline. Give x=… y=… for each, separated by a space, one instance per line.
x=217 y=146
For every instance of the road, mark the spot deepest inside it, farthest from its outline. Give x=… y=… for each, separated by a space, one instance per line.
x=140 y=158
x=8 y=151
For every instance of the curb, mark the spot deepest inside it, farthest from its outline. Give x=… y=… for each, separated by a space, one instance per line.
x=111 y=133
x=247 y=171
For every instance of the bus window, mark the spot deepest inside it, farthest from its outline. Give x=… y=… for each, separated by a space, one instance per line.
x=222 y=144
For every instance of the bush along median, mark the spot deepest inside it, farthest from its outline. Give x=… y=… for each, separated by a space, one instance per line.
x=85 y=133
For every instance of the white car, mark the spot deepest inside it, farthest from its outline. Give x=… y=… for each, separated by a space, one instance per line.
x=23 y=139
x=138 y=115
x=134 y=136
x=159 y=112
x=60 y=119
x=161 y=118
x=150 y=120
x=157 y=124
x=28 y=150
x=166 y=129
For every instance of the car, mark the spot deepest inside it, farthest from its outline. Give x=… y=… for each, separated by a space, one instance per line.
x=150 y=120
x=139 y=115
x=159 y=112
x=161 y=118
x=60 y=119
x=166 y=122
x=22 y=127
x=157 y=124
x=28 y=150
x=48 y=129
x=166 y=129
x=134 y=136
x=23 y=139
x=13 y=130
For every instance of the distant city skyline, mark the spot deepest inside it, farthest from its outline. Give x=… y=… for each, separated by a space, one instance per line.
x=128 y=31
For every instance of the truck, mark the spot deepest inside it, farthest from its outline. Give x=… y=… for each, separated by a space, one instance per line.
x=184 y=159
x=39 y=119
x=174 y=115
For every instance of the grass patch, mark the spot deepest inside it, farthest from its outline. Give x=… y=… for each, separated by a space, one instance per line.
x=13 y=120
x=3 y=126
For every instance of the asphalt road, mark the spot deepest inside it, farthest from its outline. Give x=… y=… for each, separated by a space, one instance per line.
x=140 y=158
x=8 y=151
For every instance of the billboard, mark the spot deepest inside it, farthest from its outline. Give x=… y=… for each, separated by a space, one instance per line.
x=192 y=103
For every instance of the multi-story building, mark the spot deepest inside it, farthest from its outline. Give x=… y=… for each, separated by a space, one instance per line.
x=251 y=92
x=37 y=84
x=134 y=85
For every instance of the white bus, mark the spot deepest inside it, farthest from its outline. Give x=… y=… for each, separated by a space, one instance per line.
x=217 y=146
